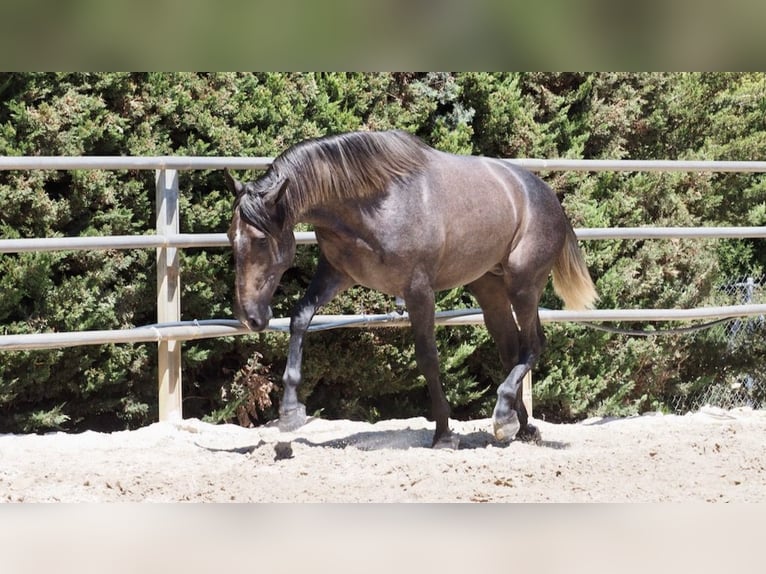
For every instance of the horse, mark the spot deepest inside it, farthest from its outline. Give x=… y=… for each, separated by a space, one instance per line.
x=395 y=215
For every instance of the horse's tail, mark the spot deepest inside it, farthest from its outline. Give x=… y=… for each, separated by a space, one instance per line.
x=571 y=279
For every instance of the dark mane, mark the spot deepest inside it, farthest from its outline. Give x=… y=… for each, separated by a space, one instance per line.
x=332 y=168
x=254 y=211
x=351 y=165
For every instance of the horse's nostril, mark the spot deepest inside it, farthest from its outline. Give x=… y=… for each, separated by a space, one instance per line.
x=259 y=322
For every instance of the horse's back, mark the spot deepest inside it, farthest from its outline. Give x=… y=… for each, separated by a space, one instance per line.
x=495 y=193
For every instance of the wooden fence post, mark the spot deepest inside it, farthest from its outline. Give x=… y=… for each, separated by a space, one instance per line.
x=526 y=392
x=168 y=296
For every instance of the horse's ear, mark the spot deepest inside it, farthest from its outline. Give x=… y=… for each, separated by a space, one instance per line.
x=234 y=185
x=272 y=196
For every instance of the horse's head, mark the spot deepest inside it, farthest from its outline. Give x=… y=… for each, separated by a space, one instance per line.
x=263 y=244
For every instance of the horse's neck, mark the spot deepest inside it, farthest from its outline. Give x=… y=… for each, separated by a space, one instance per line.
x=346 y=221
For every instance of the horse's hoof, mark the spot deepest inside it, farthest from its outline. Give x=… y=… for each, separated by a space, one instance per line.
x=283 y=450
x=530 y=433
x=447 y=441
x=506 y=431
x=290 y=420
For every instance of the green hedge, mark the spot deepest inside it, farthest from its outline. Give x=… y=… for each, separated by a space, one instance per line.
x=364 y=373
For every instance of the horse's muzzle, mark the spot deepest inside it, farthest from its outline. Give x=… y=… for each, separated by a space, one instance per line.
x=256 y=321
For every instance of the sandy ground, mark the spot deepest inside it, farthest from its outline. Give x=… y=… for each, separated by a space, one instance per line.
x=711 y=455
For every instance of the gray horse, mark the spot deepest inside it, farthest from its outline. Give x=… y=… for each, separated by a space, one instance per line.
x=395 y=215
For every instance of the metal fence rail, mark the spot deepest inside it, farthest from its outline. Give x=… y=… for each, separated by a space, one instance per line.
x=211 y=328
x=95 y=243
x=181 y=163
x=185 y=240
x=167 y=240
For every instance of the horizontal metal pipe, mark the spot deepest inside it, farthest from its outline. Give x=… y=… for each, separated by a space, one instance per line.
x=668 y=232
x=81 y=243
x=203 y=162
x=132 y=162
x=639 y=165
x=128 y=242
x=619 y=315
x=191 y=330
x=183 y=240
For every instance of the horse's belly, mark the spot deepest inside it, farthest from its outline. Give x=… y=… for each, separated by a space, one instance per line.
x=460 y=269
x=448 y=260
x=366 y=264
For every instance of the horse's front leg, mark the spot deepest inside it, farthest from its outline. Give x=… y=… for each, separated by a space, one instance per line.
x=325 y=284
x=421 y=308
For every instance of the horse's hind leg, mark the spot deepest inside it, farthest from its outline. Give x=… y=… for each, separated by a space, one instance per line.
x=492 y=295
x=510 y=415
x=503 y=321
x=327 y=281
